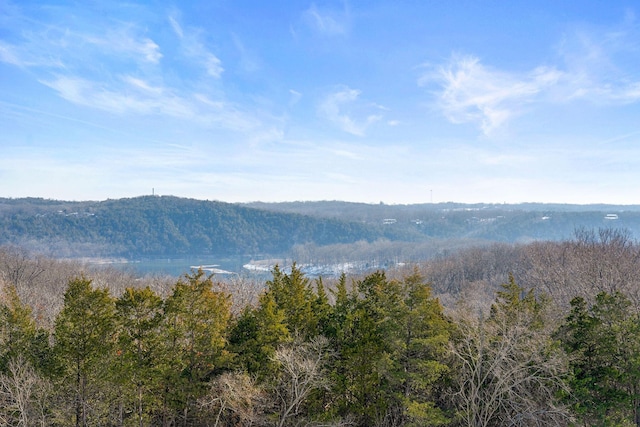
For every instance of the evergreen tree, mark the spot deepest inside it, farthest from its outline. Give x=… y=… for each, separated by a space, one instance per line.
x=196 y=327
x=140 y=354
x=321 y=308
x=84 y=337
x=294 y=296
x=366 y=372
x=18 y=332
x=422 y=355
x=604 y=344
x=256 y=336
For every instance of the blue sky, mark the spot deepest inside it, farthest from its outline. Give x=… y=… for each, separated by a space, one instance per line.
x=393 y=101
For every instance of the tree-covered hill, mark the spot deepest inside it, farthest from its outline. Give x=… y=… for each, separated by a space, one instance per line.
x=480 y=221
x=152 y=226
x=169 y=226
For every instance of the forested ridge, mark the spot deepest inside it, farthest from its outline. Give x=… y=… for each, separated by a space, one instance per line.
x=166 y=226
x=544 y=333
x=153 y=226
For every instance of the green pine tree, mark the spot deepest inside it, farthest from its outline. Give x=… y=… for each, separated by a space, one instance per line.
x=603 y=342
x=18 y=331
x=139 y=351
x=294 y=295
x=423 y=367
x=84 y=337
x=256 y=336
x=196 y=326
x=365 y=372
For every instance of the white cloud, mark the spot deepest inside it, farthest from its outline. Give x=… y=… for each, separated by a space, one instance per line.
x=122 y=41
x=29 y=55
x=249 y=61
x=594 y=66
x=337 y=107
x=195 y=49
x=326 y=22
x=596 y=62
x=294 y=98
x=115 y=100
x=136 y=96
x=177 y=28
x=473 y=93
x=213 y=65
x=142 y=85
x=8 y=54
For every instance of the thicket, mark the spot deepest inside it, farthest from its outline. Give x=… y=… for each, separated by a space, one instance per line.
x=538 y=334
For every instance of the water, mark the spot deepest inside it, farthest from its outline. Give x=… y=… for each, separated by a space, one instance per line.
x=229 y=267
x=180 y=266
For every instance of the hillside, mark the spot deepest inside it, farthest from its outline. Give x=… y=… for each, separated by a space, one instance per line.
x=167 y=226
x=492 y=222
x=152 y=226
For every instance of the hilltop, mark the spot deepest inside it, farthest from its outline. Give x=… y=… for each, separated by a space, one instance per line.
x=154 y=226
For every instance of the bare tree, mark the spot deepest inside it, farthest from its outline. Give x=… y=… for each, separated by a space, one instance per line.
x=18 y=266
x=606 y=260
x=508 y=370
x=23 y=396
x=302 y=371
x=235 y=400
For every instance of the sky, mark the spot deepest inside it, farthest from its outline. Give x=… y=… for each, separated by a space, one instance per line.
x=365 y=101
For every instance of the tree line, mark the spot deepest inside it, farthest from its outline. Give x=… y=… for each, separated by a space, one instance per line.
x=152 y=226
x=363 y=351
x=166 y=226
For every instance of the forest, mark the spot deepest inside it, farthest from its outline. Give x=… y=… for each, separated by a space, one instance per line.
x=165 y=226
x=542 y=333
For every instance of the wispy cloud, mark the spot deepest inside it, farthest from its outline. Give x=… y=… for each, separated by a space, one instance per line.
x=133 y=95
x=123 y=42
x=592 y=67
x=596 y=61
x=61 y=47
x=327 y=22
x=194 y=47
x=119 y=67
x=8 y=54
x=294 y=97
x=343 y=108
x=144 y=100
x=473 y=93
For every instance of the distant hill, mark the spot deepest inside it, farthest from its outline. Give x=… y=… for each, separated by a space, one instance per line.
x=168 y=226
x=492 y=222
x=153 y=226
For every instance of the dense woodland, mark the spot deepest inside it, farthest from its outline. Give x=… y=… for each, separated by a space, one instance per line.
x=170 y=226
x=543 y=333
x=152 y=226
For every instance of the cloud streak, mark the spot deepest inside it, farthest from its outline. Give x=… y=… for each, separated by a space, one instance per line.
x=338 y=108
x=194 y=48
x=119 y=68
x=473 y=93
x=325 y=22
x=591 y=69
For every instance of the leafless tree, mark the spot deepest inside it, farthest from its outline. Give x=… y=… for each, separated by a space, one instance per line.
x=606 y=260
x=235 y=399
x=23 y=396
x=244 y=292
x=508 y=373
x=302 y=371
